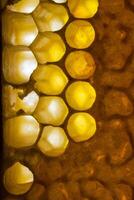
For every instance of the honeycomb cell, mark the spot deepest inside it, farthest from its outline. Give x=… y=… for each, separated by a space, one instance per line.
x=18 y=29
x=59 y=1
x=29 y=102
x=14 y=102
x=23 y=6
x=51 y=110
x=50 y=17
x=9 y=99
x=81 y=126
x=83 y=8
x=80 y=65
x=50 y=79
x=18 y=179
x=80 y=95
x=48 y=47
x=21 y=131
x=80 y=34
x=18 y=64
x=53 y=141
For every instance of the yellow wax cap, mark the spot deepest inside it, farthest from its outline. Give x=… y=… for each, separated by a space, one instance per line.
x=21 y=131
x=48 y=47
x=50 y=79
x=80 y=95
x=51 y=110
x=53 y=141
x=83 y=8
x=80 y=34
x=80 y=65
x=24 y=6
x=81 y=126
x=18 y=179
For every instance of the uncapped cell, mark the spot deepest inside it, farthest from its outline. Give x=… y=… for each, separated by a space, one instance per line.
x=53 y=141
x=18 y=179
x=50 y=17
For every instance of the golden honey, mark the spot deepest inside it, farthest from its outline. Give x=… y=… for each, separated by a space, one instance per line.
x=50 y=79
x=80 y=95
x=80 y=65
x=18 y=179
x=80 y=34
x=83 y=8
x=81 y=126
x=42 y=108
x=53 y=141
x=50 y=17
x=48 y=47
x=51 y=110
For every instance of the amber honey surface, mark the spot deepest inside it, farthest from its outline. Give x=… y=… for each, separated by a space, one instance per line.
x=68 y=100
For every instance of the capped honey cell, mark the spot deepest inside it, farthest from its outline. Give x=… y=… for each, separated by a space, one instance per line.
x=21 y=131
x=53 y=141
x=48 y=47
x=18 y=29
x=80 y=65
x=18 y=64
x=18 y=179
x=50 y=79
x=51 y=110
x=80 y=34
x=83 y=8
x=24 y=6
x=81 y=126
x=50 y=17
x=80 y=95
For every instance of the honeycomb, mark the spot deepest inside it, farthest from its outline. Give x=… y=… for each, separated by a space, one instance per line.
x=46 y=105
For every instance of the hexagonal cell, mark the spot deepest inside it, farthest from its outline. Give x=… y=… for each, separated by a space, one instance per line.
x=53 y=141
x=50 y=17
x=21 y=131
x=80 y=95
x=18 y=29
x=48 y=47
x=51 y=110
x=80 y=34
x=18 y=179
x=24 y=6
x=80 y=64
x=14 y=100
x=81 y=126
x=83 y=8
x=50 y=79
x=18 y=64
